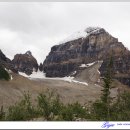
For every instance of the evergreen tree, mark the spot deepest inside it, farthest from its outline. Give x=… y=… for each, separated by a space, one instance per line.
x=105 y=98
x=101 y=108
x=4 y=74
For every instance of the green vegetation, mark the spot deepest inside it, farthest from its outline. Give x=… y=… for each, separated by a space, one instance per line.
x=2 y=114
x=52 y=109
x=4 y=74
x=72 y=112
x=22 y=110
x=49 y=105
x=120 y=110
x=49 y=108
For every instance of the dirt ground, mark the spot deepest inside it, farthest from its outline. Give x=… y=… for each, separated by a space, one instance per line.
x=69 y=92
x=12 y=91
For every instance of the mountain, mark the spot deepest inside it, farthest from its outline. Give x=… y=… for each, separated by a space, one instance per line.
x=25 y=63
x=6 y=62
x=81 y=60
x=89 y=46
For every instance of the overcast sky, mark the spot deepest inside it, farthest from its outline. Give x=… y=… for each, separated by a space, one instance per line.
x=38 y=26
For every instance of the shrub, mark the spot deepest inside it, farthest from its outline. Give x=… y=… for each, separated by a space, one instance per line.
x=49 y=105
x=57 y=106
x=2 y=114
x=44 y=106
x=120 y=110
x=73 y=112
x=22 y=110
x=98 y=111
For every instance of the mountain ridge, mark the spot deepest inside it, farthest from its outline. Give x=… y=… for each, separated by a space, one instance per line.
x=97 y=45
x=65 y=59
x=7 y=63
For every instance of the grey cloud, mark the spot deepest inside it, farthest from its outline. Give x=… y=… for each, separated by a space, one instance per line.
x=38 y=26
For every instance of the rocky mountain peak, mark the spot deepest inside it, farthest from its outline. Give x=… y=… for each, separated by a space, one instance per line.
x=29 y=53
x=2 y=56
x=91 y=30
x=25 y=63
x=6 y=62
x=91 y=45
x=84 y=34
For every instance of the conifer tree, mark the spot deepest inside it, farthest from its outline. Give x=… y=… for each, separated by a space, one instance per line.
x=4 y=74
x=105 y=98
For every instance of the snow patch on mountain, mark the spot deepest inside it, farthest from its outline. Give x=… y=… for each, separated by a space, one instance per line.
x=10 y=73
x=41 y=75
x=74 y=72
x=11 y=77
x=71 y=79
x=74 y=36
x=98 y=71
x=82 y=34
x=87 y=65
x=93 y=30
x=100 y=66
x=34 y=74
x=84 y=83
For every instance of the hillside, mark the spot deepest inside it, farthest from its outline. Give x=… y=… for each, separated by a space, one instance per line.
x=69 y=91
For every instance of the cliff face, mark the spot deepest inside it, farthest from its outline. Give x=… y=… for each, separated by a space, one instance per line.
x=6 y=62
x=96 y=44
x=121 y=67
x=25 y=63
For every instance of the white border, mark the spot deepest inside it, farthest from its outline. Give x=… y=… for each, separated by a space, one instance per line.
x=64 y=0
x=63 y=125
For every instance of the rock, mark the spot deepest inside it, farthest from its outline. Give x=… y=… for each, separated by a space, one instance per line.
x=7 y=63
x=121 y=67
x=67 y=57
x=60 y=70
x=25 y=63
x=41 y=67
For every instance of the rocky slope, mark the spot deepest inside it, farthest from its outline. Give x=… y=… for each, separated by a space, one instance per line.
x=93 y=44
x=25 y=63
x=121 y=68
x=6 y=62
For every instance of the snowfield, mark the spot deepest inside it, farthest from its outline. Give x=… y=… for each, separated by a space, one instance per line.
x=41 y=75
x=37 y=74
